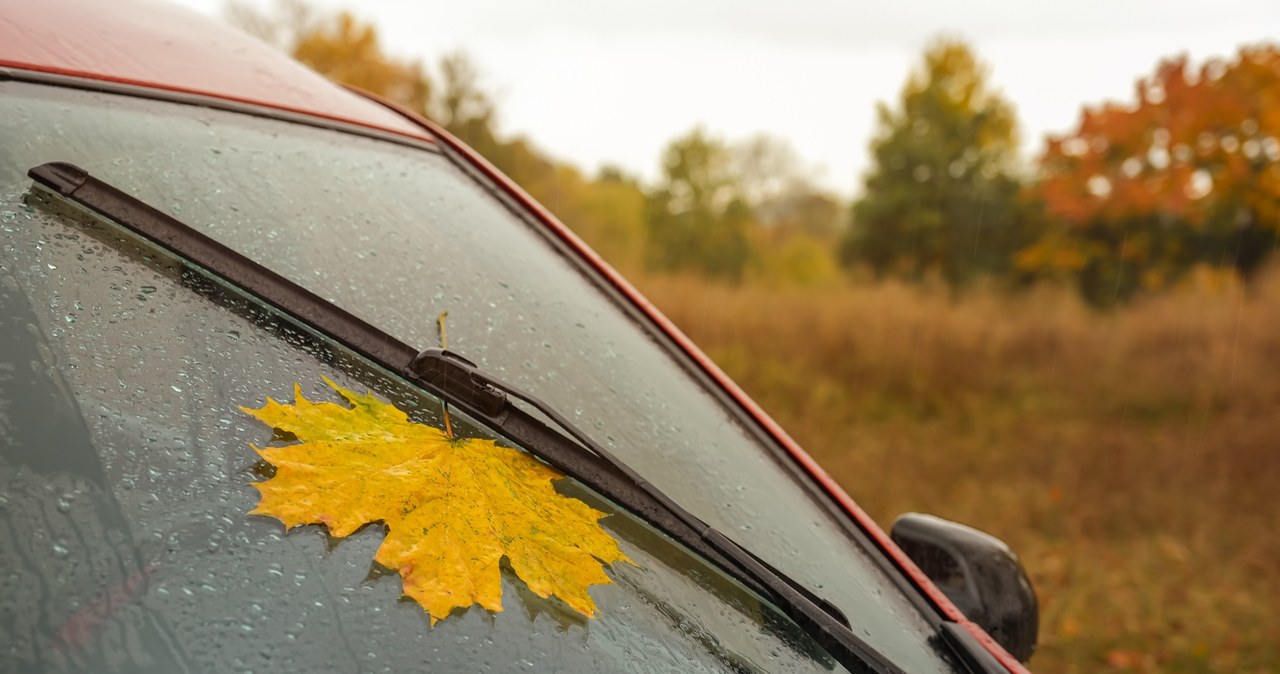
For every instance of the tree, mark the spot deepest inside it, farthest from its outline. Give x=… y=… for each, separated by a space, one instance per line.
x=348 y=50
x=1187 y=175
x=613 y=219
x=768 y=174
x=338 y=46
x=940 y=196
x=766 y=171
x=697 y=219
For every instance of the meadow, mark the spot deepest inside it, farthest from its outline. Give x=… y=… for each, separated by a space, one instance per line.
x=1130 y=457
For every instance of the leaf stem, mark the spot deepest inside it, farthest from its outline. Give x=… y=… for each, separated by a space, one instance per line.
x=444 y=344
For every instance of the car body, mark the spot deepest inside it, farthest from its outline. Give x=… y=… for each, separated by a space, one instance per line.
x=126 y=470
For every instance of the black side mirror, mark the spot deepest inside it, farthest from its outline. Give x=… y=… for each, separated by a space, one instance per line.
x=979 y=574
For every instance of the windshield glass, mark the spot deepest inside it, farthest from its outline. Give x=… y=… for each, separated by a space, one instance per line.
x=397 y=235
x=128 y=544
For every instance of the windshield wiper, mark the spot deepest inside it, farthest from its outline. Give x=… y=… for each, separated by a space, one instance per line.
x=486 y=398
x=481 y=396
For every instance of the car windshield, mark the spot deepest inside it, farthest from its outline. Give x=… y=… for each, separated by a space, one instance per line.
x=395 y=235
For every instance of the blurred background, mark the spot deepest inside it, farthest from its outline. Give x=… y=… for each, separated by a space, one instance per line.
x=1009 y=264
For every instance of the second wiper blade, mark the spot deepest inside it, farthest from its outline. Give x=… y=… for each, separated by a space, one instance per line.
x=458 y=381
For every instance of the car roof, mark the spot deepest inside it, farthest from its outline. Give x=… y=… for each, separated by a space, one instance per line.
x=156 y=44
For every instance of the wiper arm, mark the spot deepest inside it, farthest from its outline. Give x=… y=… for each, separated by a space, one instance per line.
x=485 y=397
x=458 y=381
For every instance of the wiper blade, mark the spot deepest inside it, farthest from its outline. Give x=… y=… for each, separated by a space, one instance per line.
x=481 y=396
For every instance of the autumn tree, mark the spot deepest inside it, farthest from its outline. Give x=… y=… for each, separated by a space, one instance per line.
x=608 y=213
x=1187 y=174
x=339 y=46
x=697 y=219
x=940 y=196
x=720 y=210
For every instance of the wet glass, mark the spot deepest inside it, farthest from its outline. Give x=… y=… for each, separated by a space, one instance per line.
x=125 y=486
x=398 y=234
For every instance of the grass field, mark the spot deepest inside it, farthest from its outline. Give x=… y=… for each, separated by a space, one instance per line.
x=1131 y=458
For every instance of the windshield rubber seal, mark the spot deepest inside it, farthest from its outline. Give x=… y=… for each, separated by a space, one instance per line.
x=610 y=479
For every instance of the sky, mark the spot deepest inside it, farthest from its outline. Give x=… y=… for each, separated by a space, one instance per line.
x=598 y=82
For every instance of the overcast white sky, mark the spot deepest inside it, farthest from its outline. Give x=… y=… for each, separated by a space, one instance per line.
x=612 y=81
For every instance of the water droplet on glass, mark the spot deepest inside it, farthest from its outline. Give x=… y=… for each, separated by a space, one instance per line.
x=60 y=550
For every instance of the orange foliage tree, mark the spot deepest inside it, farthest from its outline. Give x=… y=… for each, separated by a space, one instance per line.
x=1187 y=175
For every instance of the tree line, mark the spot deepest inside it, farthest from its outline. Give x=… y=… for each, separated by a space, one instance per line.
x=1140 y=194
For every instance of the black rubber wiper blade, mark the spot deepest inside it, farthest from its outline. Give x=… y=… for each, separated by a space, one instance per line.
x=483 y=397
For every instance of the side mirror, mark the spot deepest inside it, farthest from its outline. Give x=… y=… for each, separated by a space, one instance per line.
x=979 y=574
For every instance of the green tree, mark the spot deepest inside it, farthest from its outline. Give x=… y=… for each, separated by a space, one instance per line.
x=613 y=219
x=941 y=196
x=697 y=220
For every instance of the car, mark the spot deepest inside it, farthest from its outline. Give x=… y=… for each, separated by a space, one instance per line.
x=194 y=224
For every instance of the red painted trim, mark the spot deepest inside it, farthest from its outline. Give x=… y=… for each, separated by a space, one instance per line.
x=633 y=295
x=68 y=72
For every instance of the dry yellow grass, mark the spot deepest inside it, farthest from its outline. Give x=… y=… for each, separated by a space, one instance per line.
x=1131 y=458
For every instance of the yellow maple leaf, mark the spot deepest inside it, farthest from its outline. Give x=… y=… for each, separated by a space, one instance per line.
x=452 y=507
